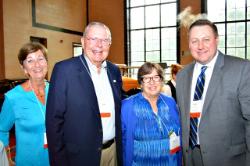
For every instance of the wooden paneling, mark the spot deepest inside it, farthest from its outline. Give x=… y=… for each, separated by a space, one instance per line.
x=18 y=28
x=184 y=50
x=111 y=13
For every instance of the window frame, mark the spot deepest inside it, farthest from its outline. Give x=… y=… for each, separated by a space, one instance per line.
x=129 y=42
x=224 y=47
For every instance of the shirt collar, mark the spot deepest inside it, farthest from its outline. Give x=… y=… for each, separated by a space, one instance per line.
x=92 y=67
x=210 y=64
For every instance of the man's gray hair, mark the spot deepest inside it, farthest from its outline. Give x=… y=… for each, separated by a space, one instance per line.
x=92 y=24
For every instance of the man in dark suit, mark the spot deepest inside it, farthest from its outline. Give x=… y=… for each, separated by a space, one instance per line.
x=83 y=107
x=221 y=106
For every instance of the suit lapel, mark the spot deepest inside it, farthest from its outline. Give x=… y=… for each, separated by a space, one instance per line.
x=85 y=77
x=184 y=81
x=84 y=73
x=187 y=92
x=213 y=84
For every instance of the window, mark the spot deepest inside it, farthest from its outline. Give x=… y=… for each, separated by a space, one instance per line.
x=151 y=31
x=232 y=18
x=77 y=49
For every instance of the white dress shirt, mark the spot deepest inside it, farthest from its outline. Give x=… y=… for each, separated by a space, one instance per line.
x=105 y=99
x=208 y=74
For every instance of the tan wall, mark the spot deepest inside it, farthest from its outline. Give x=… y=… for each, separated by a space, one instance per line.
x=184 y=50
x=72 y=15
x=17 y=28
x=17 y=18
x=111 y=13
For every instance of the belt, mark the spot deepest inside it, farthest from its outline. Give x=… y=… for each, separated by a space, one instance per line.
x=108 y=144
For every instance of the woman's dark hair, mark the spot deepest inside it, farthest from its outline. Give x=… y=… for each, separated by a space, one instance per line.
x=30 y=48
x=202 y=22
x=147 y=68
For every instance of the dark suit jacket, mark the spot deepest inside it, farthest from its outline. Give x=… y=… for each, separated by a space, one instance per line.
x=73 y=122
x=224 y=129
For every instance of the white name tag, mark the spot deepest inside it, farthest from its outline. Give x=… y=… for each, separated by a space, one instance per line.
x=174 y=142
x=45 y=144
x=196 y=109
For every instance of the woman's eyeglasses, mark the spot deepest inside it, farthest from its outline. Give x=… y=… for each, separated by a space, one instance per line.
x=155 y=78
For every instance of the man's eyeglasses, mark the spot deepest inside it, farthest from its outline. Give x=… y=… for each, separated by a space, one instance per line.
x=155 y=78
x=105 y=42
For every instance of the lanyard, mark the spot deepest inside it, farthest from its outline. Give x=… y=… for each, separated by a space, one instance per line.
x=87 y=69
x=171 y=129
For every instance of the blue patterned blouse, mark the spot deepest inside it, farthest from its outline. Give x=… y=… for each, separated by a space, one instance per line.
x=146 y=134
x=24 y=110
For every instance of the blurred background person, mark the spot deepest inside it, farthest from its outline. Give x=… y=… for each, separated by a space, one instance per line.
x=150 y=123
x=24 y=106
x=169 y=87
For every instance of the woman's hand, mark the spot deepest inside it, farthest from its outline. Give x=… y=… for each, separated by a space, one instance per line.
x=11 y=162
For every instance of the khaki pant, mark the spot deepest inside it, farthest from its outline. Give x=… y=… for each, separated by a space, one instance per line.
x=108 y=157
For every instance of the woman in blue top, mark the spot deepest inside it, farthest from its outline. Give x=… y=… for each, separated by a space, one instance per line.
x=150 y=123
x=25 y=106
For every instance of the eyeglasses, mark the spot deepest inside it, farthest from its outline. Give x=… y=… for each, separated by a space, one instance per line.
x=105 y=42
x=41 y=60
x=155 y=78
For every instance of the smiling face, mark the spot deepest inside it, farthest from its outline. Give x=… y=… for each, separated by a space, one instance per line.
x=203 y=43
x=151 y=84
x=35 y=65
x=96 y=44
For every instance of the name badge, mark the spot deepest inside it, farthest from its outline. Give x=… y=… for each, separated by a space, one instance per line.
x=196 y=109
x=45 y=144
x=174 y=142
x=105 y=114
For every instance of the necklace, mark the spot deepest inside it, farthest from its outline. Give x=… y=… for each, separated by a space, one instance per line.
x=38 y=103
x=37 y=93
